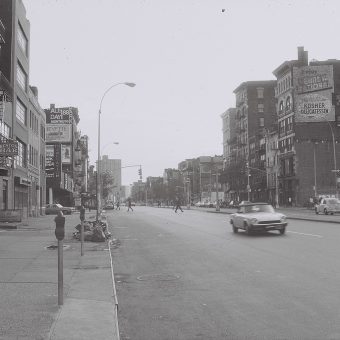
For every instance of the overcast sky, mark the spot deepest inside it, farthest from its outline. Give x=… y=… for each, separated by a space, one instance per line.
x=186 y=57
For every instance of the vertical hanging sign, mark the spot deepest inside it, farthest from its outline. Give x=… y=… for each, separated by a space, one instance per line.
x=2 y=105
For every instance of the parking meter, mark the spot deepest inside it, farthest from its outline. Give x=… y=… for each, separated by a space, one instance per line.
x=59 y=227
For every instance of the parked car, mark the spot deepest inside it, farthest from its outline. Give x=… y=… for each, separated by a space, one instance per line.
x=328 y=206
x=52 y=209
x=258 y=217
x=109 y=206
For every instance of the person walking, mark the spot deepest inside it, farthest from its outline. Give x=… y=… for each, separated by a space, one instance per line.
x=178 y=205
x=129 y=204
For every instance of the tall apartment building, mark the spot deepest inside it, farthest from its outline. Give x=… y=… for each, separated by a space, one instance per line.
x=114 y=166
x=308 y=120
x=23 y=120
x=229 y=145
x=255 y=117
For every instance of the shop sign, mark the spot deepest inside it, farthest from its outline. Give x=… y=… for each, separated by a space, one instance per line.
x=8 y=148
x=2 y=107
x=25 y=181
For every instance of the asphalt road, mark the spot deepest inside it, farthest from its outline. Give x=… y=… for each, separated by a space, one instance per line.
x=187 y=276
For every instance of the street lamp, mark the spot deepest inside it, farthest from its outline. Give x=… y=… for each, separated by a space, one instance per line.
x=334 y=157
x=98 y=161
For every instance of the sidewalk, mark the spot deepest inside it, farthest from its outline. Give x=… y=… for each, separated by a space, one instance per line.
x=292 y=213
x=89 y=310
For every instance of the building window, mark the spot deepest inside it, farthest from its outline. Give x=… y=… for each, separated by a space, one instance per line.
x=261 y=122
x=21 y=158
x=288 y=104
x=22 y=40
x=281 y=107
x=42 y=132
x=21 y=112
x=21 y=77
x=5 y=130
x=260 y=107
x=260 y=91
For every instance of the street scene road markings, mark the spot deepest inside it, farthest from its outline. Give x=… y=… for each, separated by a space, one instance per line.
x=313 y=235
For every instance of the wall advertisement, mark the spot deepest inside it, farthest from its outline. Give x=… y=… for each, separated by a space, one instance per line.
x=59 y=133
x=313 y=87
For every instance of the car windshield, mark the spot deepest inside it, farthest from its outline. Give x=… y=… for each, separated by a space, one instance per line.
x=59 y=205
x=258 y=208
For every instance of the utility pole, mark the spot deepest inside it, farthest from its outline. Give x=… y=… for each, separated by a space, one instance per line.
x=217 y=198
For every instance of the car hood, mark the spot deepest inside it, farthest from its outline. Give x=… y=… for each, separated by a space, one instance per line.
x=262 y=216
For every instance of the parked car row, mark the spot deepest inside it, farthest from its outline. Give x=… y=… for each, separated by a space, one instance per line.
x=327 y=205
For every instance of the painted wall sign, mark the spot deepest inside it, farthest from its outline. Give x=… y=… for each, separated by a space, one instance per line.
x=313 y=86
x=313 y=78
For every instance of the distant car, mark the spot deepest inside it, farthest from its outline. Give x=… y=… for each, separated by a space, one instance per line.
x=328 y=206
x=109 y=206
x=52 y=209
x=258 y=217
x=245 y=202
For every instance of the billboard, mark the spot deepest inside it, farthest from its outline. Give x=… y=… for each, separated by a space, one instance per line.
x=62 y=115
x=313 y=86
x=59 y=133
x=66 y=154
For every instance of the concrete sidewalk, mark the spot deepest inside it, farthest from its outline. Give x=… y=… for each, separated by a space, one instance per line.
x=292 y=213
x=90 y=303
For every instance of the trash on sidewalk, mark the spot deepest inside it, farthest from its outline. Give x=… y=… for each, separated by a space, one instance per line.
x=94 y=231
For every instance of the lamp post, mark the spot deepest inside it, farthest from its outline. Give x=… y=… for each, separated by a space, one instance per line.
x=334 y=157
x=98 y=161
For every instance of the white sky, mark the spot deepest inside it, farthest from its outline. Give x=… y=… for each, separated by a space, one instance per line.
x=186 y=57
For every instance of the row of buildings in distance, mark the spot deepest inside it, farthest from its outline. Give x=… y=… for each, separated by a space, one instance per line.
x=280 y=142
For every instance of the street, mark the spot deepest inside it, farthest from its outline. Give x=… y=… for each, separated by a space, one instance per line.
x=187 y=276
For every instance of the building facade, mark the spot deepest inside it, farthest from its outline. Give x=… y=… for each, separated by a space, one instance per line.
x=308 y=128
x=22 y=167
x=245 y=172
x=62 y=161
x=114 y=167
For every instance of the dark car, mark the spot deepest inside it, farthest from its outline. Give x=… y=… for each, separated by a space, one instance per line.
x=258 y=217
x=52 y=209
x=109 y=206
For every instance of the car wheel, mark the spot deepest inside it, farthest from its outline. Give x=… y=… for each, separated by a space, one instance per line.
x=325 y=211
x=316 y=211
x=235 y=230
x=332 y=213
x=282 y=230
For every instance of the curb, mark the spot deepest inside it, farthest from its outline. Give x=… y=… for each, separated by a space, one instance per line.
x=288 y=217
x=114 y=291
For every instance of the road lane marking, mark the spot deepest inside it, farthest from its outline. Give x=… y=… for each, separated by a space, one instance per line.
x=313 y=235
